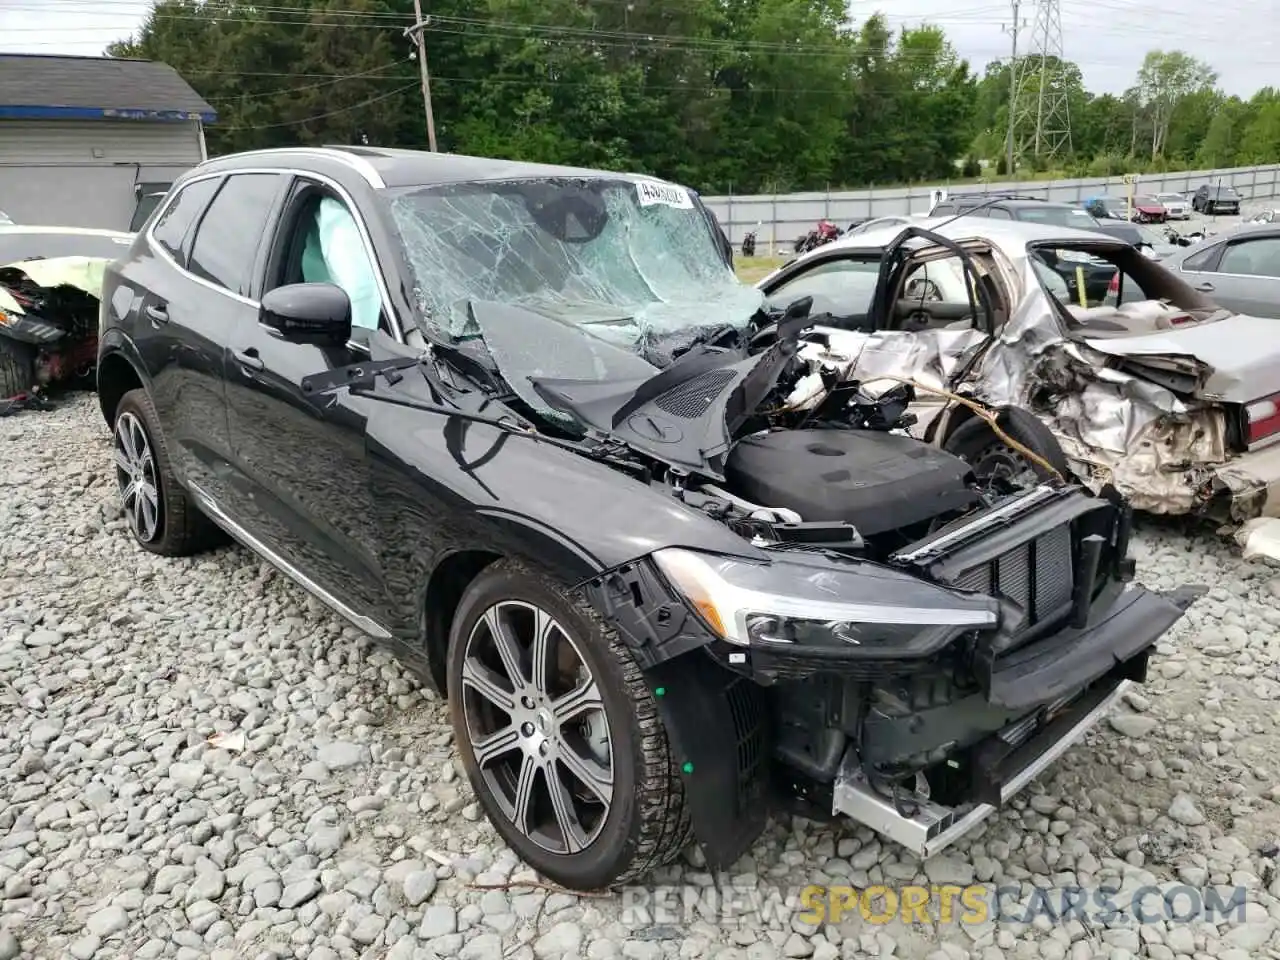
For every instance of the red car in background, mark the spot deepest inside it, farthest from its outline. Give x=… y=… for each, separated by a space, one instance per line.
x=1146 y=209
x=1149 y=209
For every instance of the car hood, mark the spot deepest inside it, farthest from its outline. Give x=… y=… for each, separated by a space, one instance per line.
x=684 y=414
x=1236 y=359
x=81 y=273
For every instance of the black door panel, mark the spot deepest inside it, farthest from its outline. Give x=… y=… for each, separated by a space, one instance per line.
x=178 y=328
x=302 y=471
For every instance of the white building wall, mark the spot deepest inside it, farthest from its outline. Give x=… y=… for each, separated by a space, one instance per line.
x=81 y=173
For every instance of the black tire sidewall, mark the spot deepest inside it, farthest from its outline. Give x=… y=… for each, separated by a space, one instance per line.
x=612 y=851
x=969 y=439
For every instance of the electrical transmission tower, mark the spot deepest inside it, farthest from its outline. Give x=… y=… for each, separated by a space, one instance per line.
x=1048 y=114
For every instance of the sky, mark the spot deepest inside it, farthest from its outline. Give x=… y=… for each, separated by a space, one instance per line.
x=1107 y=38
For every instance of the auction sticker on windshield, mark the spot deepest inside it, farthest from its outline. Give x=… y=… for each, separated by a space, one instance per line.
x=667 y=194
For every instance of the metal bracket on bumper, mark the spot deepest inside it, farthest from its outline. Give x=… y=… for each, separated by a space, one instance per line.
x=933 y=827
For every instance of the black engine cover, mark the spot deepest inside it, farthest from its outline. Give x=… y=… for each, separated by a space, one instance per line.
x=876 y=481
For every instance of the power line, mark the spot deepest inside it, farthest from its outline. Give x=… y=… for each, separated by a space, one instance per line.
x=330 y=113
x=378 y=73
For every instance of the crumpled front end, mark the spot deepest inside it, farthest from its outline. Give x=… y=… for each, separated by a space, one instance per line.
x=51 y=308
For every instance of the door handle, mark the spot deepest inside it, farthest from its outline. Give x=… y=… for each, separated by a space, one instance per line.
x=157 y=313
x=1205 y=287
x=249 y=358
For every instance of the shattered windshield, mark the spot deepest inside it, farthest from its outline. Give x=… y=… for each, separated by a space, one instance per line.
x=622 y=260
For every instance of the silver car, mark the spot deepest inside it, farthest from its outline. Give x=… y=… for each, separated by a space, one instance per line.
x=1177 y=204
x=1152 y=389
x=1238 y=268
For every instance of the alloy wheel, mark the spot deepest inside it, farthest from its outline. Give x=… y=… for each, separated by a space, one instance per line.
x=136 y=476
x=537 y=726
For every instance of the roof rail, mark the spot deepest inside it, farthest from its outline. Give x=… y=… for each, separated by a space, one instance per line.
x=356 y=162
x=989 y=195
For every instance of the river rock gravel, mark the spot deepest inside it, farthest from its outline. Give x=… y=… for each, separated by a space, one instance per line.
x=198 y=760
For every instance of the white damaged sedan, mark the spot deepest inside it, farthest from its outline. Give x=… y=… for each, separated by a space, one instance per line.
x=1105 y=365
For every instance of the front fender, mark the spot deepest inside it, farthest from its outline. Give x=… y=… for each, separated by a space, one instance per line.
x=718 y=731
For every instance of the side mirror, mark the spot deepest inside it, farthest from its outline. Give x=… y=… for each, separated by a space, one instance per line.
x=316 y=313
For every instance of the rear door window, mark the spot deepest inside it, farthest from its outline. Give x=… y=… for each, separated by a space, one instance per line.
x=183 y=210
x=228 y=237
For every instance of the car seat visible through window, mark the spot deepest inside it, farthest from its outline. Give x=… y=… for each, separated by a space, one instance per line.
x=334 y=252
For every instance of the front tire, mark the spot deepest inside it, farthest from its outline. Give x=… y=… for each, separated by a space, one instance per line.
x=160 y=516
x=17 y=368
x=559 y=734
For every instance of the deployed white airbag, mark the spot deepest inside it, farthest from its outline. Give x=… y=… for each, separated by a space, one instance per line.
x=335 y=253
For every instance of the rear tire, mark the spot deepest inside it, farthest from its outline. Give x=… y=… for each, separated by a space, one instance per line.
x=990 y=456
x=17 y=368
x=528 y=733
x=160 y=516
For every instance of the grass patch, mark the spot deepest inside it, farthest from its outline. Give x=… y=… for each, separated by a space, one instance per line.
x=752 y=269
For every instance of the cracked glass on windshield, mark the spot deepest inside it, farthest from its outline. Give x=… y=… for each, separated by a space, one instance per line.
x=632 y=262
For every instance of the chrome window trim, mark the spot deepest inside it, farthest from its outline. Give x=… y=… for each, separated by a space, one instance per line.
x=1236 y=276
x=367 y=242
x=357 y=163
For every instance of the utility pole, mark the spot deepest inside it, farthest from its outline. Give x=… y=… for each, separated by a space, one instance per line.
x=1013 y=91
x=418 y=30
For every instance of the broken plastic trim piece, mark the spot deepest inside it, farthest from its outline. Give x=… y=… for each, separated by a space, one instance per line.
x=934 y=827
x=358 y=375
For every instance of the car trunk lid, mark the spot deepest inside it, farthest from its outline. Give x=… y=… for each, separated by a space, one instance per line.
x=1236 y=359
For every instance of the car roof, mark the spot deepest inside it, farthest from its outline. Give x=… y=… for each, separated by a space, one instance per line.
x=395 y=167
x=11 y=229
x=1006 y=234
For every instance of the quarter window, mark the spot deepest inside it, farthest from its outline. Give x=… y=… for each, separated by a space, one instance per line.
x=228 y=236
x=172 y=226
x=1200 y=260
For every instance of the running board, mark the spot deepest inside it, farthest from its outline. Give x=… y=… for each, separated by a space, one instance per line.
x=933 y=827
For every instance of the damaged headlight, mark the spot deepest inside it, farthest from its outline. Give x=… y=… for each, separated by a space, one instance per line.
x=802 y=601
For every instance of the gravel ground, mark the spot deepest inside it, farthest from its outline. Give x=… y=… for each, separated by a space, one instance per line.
x=197 y=760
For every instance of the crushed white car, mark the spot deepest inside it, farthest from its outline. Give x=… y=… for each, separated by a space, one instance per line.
x=1143 y=384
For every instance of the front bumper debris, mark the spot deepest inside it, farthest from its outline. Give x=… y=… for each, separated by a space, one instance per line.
x=1065 y=682
x=930 y=828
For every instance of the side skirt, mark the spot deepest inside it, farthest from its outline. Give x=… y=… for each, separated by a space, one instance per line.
x=215 y=513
